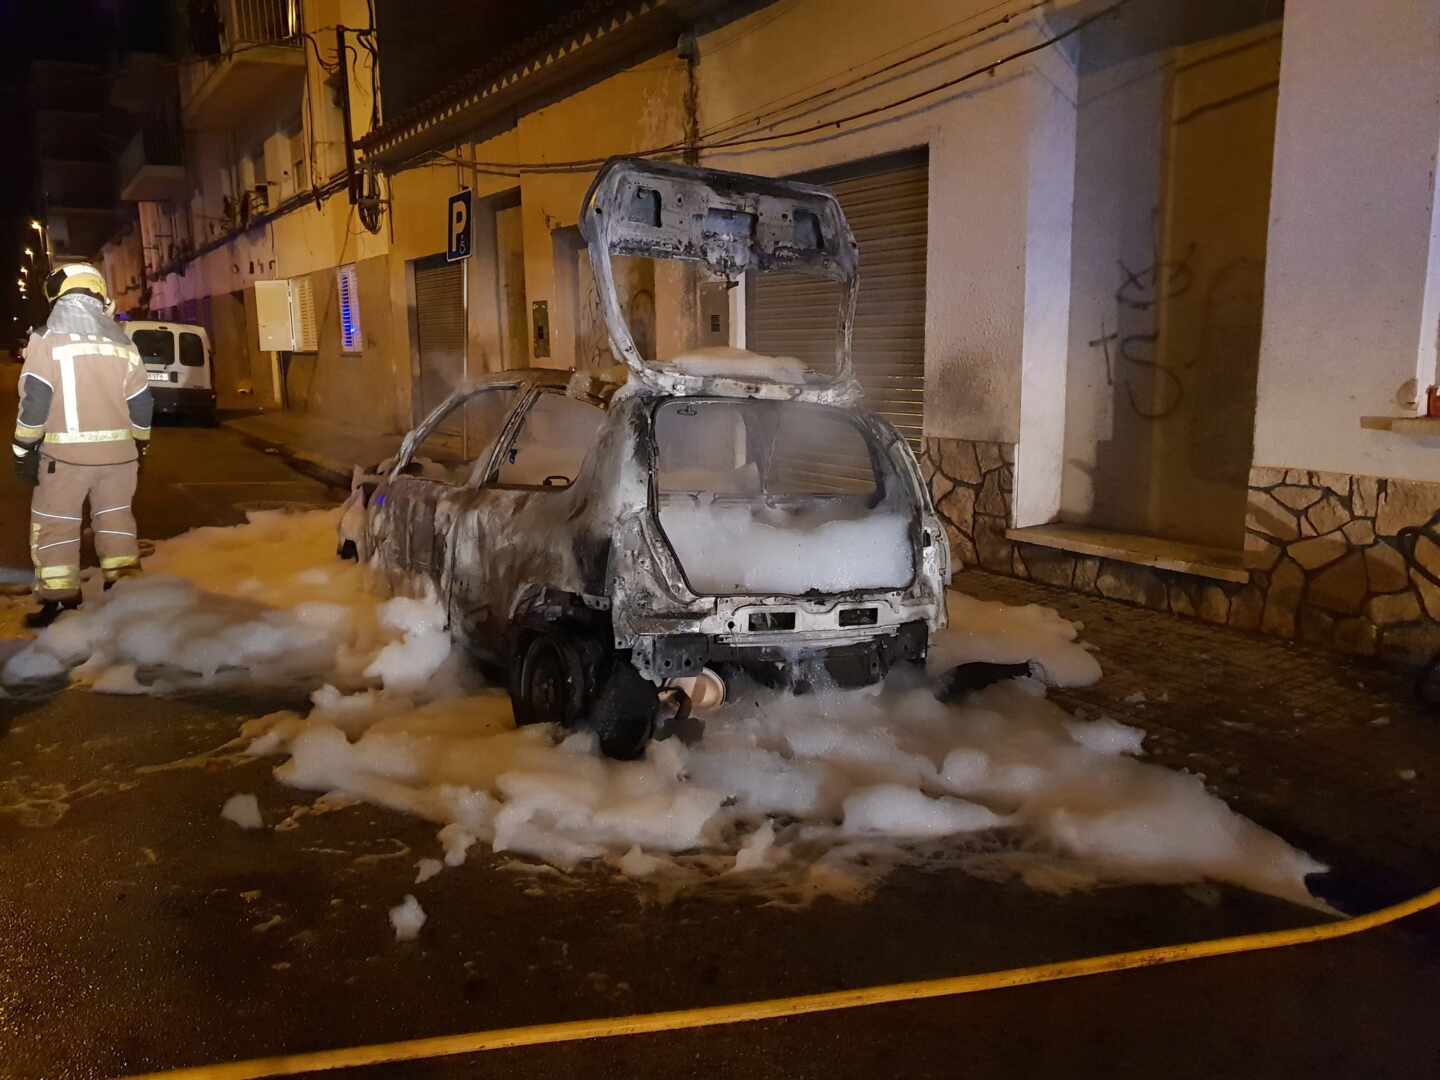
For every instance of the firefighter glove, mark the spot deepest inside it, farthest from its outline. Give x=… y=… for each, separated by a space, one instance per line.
x=27 y=462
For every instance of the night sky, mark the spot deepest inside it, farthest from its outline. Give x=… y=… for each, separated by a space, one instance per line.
x=92 y=31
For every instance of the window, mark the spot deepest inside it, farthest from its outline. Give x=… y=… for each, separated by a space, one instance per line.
x=462 y=436
x=156 y=346
x=302 y=315
x=350 y=339
x=551 y=444
x=257 y=165
x=192 y=350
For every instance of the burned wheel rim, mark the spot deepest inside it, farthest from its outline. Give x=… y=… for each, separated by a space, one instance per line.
x=552 y=683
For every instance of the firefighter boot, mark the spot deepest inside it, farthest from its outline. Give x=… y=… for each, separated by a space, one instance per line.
x=50 y=610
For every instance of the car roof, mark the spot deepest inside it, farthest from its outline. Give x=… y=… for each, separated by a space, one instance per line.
x=161 y=324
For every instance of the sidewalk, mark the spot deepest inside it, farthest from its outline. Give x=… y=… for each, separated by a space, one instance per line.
x=1333 y=752
x=321 y=448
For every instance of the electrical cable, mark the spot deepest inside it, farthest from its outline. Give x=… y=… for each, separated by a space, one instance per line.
x=430 y=158
x=440 y=1046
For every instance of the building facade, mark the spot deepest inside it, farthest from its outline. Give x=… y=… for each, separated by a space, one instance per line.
x=1154 y=288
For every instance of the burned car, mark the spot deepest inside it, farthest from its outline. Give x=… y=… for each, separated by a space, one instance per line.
x=627 y=543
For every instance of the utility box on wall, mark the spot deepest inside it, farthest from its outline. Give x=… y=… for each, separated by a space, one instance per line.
x=272 y=316
x=285 y=316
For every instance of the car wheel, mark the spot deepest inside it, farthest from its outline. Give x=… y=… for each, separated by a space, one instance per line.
x=625 y=710
x=547 y=684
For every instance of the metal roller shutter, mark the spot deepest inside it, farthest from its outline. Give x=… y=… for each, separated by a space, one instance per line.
x=790 y=315
x=440 y=326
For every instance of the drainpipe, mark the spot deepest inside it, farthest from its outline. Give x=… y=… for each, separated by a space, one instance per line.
x=345 y=115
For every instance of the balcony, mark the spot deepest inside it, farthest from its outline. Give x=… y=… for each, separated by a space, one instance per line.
x=152 y=167
x=259 y=58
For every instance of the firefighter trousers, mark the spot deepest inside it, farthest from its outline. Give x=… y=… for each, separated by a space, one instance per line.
x=57 y=513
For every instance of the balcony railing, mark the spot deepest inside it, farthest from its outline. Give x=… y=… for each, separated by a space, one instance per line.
x=259 y=22
x=257 y=59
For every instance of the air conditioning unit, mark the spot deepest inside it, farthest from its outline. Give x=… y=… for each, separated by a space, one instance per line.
x=285 y=316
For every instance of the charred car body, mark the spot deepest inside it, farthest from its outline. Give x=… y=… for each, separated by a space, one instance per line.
x=617 y=541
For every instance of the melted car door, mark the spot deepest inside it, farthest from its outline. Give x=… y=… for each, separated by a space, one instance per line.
x=514 y=530
x=415 y=508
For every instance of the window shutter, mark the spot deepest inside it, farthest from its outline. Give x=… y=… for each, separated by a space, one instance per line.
x=302 y=315
x=350 y=339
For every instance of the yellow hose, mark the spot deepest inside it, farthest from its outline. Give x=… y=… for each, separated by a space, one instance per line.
x=681 y=1019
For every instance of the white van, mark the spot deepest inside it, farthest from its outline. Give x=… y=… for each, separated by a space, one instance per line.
x=177 y=361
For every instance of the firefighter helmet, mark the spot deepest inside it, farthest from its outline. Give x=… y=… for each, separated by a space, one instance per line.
x=76 y=277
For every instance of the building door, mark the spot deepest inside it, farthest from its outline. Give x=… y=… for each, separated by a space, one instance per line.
x=885 y=202
x=439 y=331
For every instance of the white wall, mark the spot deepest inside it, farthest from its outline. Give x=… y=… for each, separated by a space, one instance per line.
x=1352 y=252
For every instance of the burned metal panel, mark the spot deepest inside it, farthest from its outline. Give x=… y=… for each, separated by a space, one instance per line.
x=731 y=223
x=506 y=544
x=493 y=551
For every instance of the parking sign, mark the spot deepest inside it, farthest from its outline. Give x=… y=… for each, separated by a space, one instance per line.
x=458 y=227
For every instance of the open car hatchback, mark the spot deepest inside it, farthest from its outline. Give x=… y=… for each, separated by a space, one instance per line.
x=627 y=543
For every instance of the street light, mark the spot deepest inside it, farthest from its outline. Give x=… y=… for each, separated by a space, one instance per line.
x=35 y=224
x=29 y=253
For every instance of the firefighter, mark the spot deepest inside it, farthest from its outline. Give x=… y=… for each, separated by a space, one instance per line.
x=83 y=429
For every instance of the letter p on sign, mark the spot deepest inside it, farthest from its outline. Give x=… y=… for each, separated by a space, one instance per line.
x=458 y=246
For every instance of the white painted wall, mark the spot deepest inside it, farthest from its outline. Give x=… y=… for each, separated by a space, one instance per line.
x=1352 y=253
x=1050 y=190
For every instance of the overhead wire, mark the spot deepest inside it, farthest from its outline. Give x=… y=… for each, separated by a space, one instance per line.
x=751 y=117
x=708 y=143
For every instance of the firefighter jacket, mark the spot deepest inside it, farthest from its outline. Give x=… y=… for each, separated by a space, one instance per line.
x=83 y=389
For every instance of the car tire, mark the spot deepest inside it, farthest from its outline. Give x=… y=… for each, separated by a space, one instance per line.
x=547 y=681
x=625 y=710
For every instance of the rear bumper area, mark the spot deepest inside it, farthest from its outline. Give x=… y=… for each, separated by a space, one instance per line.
x=849 y=663
x=182 y=401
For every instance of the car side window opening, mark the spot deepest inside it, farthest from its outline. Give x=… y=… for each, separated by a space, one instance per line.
x=554 y=438
x=156 y=346
x=192 y=350
x=463 y=436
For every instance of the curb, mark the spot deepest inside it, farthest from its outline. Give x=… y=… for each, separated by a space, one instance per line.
x=327 y=470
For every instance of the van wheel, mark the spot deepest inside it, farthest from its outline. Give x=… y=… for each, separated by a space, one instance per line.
x=547 y=683
x=624 y=713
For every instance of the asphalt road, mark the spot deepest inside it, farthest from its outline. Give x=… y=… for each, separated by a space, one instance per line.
x=139 y=931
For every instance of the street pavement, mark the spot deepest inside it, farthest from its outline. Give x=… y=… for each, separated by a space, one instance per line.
x=138 y=930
